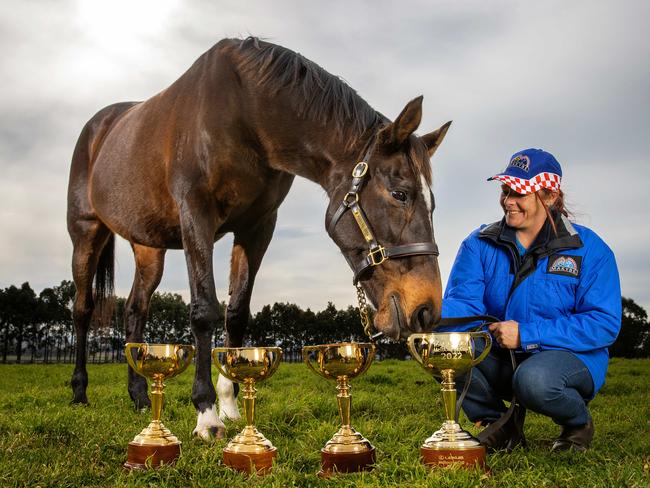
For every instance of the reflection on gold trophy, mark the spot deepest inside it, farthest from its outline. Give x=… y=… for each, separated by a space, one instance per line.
x=445 y=355
x=249 y=451
x=347 y=451
x=156 y=445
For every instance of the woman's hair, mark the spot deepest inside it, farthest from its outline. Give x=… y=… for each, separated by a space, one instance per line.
x=559 y=206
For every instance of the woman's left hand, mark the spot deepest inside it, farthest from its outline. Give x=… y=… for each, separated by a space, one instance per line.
x=506 y=334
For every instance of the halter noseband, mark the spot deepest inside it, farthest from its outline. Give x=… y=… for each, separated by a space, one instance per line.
x=377 y=253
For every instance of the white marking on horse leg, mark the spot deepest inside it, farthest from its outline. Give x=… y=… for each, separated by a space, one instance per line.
x=227 y=401
x=208 y=424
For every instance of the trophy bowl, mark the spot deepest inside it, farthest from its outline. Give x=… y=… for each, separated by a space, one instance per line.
x=347 y=451
x=249 y=451
x=156 y=446
x=445 y=355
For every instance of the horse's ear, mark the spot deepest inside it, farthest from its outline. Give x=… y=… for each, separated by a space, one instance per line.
x=433 y=139
x=405 y=124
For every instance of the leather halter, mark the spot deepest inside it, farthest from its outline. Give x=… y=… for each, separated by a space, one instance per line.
x=377 y=253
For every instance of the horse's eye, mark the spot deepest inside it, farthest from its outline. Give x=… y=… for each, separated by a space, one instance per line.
x=399 y=195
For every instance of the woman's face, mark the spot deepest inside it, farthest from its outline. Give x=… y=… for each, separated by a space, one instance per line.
x=522 y=212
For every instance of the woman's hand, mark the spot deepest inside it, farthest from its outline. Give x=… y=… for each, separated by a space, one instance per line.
x=506 y=334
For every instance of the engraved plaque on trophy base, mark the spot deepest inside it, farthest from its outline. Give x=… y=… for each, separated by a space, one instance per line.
x=470 y=457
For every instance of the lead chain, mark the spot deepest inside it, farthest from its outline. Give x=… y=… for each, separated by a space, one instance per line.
x=363 y=311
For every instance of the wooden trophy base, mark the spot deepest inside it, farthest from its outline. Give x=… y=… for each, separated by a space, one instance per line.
x=466 y=458
x=260 y=463
x=158 y=456
x=332 y=463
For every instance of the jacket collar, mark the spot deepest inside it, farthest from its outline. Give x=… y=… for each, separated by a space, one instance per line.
x=546 y=241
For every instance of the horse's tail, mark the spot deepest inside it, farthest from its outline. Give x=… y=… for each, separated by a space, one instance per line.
x=105 y=275
x=79 y=207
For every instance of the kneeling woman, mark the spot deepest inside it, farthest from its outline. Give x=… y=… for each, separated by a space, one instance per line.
x=555 y=286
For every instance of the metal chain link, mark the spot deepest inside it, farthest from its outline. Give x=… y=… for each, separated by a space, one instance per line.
x=364 y=315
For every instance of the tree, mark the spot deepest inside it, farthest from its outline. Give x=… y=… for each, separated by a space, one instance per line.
x=169 y=319
x=633 y=341
x=19 y=310
x=55 y=314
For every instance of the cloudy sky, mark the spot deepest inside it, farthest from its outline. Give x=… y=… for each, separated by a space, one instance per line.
x=570 y=77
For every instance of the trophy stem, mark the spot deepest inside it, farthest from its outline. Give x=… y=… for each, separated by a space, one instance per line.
x=449 y=394
x=344 y=400
x=249 y=402
x=157 y=398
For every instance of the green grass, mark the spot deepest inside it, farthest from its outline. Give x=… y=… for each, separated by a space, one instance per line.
x=44 y=441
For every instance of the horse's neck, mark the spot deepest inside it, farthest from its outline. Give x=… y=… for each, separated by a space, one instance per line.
x=319 y=157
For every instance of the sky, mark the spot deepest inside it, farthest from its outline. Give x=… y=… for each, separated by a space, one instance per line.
x=572 y=78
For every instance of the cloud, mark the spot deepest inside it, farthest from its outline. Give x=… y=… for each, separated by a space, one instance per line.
x=572 y=78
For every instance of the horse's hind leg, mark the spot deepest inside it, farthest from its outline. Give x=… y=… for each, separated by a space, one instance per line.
x=149 y=264
x=248 y=250
x=89 y=238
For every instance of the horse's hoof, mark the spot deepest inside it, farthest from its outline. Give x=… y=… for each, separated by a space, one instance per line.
x=208 y=425
x=83 y=401
x=218 y=432
x=210 y=433
x=142 y=405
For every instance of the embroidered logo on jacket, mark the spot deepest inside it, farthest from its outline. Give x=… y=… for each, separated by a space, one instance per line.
x=521 y=162
x=564 y=265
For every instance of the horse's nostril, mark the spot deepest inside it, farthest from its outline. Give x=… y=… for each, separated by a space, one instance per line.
x=422 y=318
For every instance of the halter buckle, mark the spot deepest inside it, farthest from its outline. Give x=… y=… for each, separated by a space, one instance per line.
x=377 y=255
x=360 y=169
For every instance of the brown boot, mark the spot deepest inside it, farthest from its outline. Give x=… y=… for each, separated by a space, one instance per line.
x=576 y=438
x=500 y=436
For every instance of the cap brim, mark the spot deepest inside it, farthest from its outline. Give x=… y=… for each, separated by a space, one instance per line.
x=549 y=181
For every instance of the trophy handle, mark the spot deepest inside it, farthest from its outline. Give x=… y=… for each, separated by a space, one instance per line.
x=187 y=353
x=128 y=348
x=305 y=357
x=488 y=345
x=411 y=345
x=371 y=356
x=276 y=355
x=217 y=363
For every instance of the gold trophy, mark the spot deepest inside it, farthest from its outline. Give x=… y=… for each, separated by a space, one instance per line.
x=347 y=451
x=445 y=355
x=156 y=444
x=249 y=451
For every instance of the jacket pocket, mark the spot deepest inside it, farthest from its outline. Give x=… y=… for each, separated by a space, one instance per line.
x=553 y=296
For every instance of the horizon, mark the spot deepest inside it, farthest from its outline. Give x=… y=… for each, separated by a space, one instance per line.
x=581 y=93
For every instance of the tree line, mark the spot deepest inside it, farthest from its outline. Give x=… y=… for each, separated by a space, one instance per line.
x=39 y=328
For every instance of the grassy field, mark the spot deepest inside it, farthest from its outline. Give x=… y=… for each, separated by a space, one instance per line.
x=46 y=442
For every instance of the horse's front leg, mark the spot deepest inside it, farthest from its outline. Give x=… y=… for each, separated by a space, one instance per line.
x=198 y=228
x=248 y=250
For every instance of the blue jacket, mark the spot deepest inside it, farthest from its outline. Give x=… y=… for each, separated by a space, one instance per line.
x=564 y=292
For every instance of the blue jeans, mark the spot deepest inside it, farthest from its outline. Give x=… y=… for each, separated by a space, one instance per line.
x=554 y=383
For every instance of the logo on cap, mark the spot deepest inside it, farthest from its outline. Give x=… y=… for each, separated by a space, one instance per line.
x=565 y=265
x=520 y=161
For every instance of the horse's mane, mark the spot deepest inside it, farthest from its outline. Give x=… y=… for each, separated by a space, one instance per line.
x=317 y=94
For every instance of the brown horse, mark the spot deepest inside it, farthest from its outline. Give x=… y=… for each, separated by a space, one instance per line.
x=216 y=152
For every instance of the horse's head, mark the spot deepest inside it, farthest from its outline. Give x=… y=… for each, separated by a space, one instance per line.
x=384 y=228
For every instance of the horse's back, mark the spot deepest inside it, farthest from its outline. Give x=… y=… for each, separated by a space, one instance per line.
x=195 y=134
